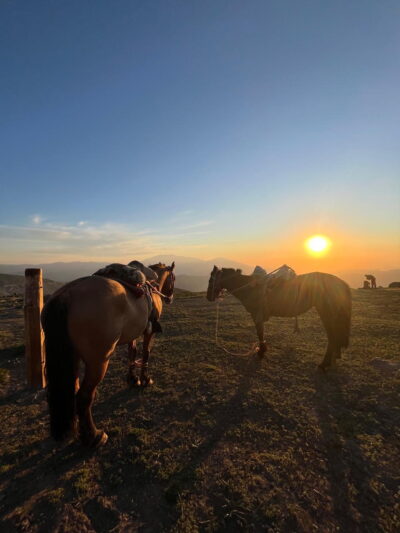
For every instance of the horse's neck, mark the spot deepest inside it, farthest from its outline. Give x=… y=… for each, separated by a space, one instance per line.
x=157 y=303
x=162 y=279
x=235 y=283
x=241 y=287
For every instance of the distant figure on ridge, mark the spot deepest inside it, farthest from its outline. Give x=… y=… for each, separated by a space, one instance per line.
x=372 y=279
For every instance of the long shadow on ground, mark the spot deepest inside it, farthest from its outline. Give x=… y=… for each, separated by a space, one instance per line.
x=231 y=414
x=355 y=505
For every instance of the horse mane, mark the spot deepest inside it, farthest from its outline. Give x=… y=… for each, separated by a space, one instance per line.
x=228 y=270
x=234 y=271
x=158 y=265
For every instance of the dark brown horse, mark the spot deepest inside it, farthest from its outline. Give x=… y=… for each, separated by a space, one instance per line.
x=327 y=293
x=85 y=321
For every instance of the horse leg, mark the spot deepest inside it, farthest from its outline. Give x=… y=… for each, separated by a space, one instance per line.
x=76 y=373
x=132 y=377
x=333 y=350
x=77 y=387
x=262 y=344
x=328 y=358
x=89 y=434
x=145 y=379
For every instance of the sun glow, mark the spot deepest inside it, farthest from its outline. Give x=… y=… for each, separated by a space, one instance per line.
x=317 y=244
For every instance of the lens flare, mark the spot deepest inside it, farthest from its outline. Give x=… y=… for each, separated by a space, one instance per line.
x=317 y=244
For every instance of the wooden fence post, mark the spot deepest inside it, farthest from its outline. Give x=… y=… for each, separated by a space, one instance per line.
x=34 y=337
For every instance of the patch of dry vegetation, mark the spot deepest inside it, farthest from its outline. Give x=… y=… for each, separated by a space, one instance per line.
x=220 y=443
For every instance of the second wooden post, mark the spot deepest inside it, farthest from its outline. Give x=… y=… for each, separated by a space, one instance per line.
x=34 y=337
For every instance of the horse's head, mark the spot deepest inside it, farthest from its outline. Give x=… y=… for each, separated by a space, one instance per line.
x=166 y=279
x=169 y=284
x=215 y=288
x=221 y=279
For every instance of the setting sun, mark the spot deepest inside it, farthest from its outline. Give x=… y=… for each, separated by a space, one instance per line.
x=317 y=244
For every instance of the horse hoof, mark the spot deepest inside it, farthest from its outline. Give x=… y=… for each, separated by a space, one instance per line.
x=133 y=381
x=261 y=350
x=147 y=381
x=100 y=439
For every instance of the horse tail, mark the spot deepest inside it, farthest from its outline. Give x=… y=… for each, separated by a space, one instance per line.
x=332 y=298
x=60 y=373
x=337 y=296
x=344 y=316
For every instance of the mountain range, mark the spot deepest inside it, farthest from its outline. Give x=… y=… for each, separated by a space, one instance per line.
x=191 y=274
x=14 y=284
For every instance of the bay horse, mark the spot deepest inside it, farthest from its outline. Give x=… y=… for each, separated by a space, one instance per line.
x=329 y=294
x=85 y=320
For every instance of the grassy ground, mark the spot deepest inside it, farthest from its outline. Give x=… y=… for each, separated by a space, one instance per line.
x=219 y=443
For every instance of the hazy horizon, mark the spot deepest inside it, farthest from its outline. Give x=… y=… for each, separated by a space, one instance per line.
x=201 y=129
x=188 y=261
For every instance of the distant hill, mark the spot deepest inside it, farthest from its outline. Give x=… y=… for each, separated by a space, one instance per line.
x=13 y=284
x=192 y=283
x=355 y=278
x=191 y=266
x=191 y=274
x=62 y=272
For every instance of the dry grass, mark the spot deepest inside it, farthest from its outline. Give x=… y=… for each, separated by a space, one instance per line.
x=220 y=443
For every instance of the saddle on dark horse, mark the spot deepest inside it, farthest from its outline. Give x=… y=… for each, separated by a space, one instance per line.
x=139 y=280
x=269 y=283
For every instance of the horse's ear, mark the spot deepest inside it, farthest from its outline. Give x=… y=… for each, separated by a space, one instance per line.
x=215 y=267
x=173 y=265
x=239 y=270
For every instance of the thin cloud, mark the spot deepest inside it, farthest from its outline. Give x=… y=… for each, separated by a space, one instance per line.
x=36 y=219
x=184 y=213
x=86 y=240
x=195 y=225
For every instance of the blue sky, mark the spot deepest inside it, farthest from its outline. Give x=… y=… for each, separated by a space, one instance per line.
x=200 y=128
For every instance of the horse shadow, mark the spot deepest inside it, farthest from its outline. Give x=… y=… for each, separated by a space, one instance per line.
x=47 y=467
x=231 y=414
x=348 y=472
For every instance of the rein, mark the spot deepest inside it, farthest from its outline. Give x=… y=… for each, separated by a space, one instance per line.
x=217 y=341
x=156 y=291
x=230 y=290
x=220 y=345
x=254 y=346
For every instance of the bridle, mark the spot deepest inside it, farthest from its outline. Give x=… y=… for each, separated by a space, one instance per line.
x=221 y=290
x=217 y=288
x=168 y=294
x=216 y=278
x=169 y=291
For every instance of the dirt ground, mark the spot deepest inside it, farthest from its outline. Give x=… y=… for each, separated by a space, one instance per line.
x=220 y=442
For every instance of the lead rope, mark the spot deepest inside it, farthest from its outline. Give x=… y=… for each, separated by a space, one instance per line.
x=218 y=343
